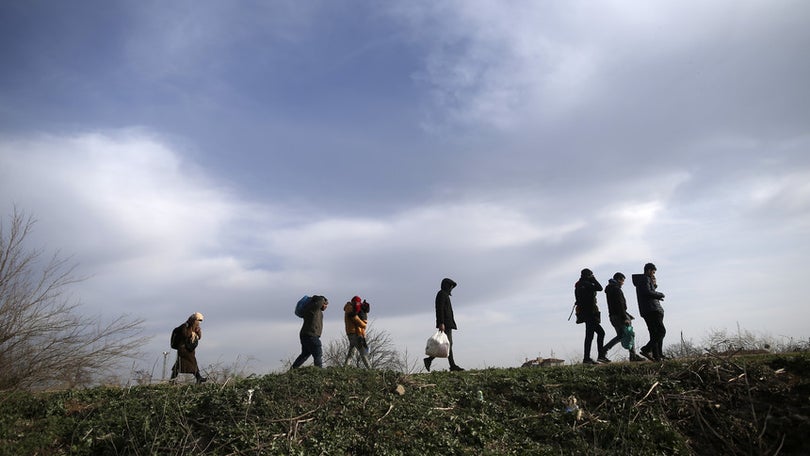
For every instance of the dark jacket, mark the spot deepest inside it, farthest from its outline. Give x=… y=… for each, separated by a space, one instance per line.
x=585 y=293
x=444 y=309
x=313 y=317
x=185 y=339
x=649 y=300
x=616 y=302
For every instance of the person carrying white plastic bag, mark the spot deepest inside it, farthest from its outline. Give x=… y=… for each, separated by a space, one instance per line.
x=445 y=323
x=438 y=346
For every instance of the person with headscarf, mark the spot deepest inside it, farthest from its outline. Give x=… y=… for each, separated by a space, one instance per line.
x=353 y=316
x=185 y=339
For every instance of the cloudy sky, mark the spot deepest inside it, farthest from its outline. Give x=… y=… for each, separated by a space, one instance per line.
x=228 y=158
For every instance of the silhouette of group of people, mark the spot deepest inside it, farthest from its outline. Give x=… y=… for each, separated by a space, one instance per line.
x=355 y=318
x=650 y=309
x=186 y=337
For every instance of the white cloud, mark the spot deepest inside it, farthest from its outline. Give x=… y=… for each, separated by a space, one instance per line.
x=161 y=239
x=789 y=193
x=523 y=63
x=139 y=196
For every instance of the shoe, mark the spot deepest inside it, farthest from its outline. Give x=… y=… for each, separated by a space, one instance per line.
x=588 y=361
x=456 y=369
x=603 y=359
x=647 y=353
x=201 y=380
x=635 y=358
x=427 y=363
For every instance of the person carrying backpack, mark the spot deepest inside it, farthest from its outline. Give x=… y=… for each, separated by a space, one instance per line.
x=185 y=339
x=585 y=293
x=355 y=316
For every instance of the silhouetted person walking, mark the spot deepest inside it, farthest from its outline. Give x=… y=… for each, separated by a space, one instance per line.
x=650 y=308
x=617 y=309
x=585 y=293
x=445 y=321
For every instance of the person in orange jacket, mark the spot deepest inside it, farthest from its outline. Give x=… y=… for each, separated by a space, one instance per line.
x=353 y=313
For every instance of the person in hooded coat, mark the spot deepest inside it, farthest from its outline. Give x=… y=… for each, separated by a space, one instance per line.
x=651 y=310
x=445 y=321
x=585 y=294
x=185 y=339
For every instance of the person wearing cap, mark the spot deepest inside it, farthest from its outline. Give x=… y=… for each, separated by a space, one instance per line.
x=185 y=339
x=356 y=329
x=585 y=293
x=310 y=333
x=445 y=322
x=651 y=310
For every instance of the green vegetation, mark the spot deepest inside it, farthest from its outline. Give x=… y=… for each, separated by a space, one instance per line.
x=716 y=405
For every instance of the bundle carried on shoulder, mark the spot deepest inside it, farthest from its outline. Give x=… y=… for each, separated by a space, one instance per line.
x=304 y=303
x=301 y=305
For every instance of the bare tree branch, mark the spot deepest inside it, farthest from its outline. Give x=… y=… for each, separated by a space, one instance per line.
x=45 y=341
x=382 y=353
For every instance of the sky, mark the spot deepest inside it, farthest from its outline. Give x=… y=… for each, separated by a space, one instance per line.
x=229 y=157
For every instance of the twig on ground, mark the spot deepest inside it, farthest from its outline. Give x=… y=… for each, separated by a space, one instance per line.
x=648 y=393
x=390 y=407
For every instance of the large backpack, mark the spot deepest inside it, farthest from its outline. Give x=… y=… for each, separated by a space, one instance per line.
x=177 y=337
x=301 y=305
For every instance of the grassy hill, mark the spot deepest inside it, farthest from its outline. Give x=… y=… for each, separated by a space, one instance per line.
x=717 y=405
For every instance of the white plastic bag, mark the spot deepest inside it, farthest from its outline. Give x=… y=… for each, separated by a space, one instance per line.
x=438 y=345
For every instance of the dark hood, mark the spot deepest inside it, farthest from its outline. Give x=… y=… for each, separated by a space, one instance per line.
x=638 y=279
x=448 y=285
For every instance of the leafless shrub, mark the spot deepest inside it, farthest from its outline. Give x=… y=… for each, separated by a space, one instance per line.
x=44 y=341
x=222 y=372
x=722 y=341
x=382 y=353
x=685 y=349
